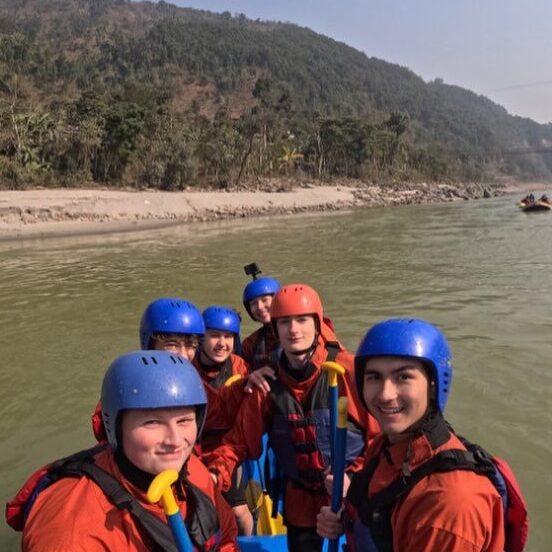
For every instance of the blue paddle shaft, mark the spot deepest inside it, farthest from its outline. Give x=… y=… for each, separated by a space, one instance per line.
x=333 y=391
x=338 y=468
x=180 y=533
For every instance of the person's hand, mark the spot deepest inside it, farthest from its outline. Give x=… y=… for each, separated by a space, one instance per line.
x=328 y=483
x=328 y=524
x=258 y=378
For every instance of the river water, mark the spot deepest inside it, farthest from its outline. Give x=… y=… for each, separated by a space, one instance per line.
x=481 y=270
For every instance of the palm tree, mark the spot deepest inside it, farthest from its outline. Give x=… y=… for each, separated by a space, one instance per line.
x=289 y=158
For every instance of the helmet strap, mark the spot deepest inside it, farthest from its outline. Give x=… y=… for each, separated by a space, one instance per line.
x=309 y=352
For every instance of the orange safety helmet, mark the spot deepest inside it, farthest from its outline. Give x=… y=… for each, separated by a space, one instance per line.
x=297 y=300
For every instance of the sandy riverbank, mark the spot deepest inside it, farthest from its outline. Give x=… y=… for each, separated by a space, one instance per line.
x=58 y=212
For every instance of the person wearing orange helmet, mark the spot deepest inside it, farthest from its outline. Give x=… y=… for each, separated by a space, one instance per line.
x=295 y=415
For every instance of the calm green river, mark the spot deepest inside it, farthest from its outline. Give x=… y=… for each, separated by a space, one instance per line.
x=480 y=270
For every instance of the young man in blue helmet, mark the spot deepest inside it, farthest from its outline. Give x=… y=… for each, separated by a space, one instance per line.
x=154 y=406
x=216 y=364
x=403 y=372
x=168 y=324
x=261 y=347
x=172 y=324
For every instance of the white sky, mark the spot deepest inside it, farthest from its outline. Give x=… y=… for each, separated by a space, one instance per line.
x=499 y=48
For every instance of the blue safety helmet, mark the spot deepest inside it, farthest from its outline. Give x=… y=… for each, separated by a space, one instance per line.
x=258 y=288
x=223 y=319
x=220 y=318
x=170 y=315
x=409 y=338
x=150 y=379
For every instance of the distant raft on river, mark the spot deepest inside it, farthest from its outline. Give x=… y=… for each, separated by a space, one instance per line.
x=530 y=204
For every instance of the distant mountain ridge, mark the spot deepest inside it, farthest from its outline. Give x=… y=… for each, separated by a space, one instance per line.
x=183 y=61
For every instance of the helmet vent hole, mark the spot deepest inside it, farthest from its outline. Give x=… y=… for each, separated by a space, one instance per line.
x=154 y=360
x=145 y=360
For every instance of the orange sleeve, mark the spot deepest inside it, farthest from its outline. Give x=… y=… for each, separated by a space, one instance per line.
x=243 y=441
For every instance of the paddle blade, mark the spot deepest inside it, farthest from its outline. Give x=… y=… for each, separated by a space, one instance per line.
x=266 y=524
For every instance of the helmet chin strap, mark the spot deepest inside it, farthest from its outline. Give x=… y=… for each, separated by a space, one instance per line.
x=309 y=351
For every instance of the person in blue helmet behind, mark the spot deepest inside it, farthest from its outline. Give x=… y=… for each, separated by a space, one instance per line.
x=172 y=324
x=217 y=364
x=421 y=488
x=261 y=347
x=154 y=406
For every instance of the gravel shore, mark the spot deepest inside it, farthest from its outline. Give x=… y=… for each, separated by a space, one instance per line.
x=41 y=213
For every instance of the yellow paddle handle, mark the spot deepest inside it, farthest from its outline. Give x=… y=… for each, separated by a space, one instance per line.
x=342 y=412
x=334 y=369
x=160 y=491
x=232 y=379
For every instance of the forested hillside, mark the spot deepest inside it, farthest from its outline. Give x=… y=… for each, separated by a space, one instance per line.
x=148 y=94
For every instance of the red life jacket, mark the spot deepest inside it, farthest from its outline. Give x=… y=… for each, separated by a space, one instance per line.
x=202 y=524
x=300 y=436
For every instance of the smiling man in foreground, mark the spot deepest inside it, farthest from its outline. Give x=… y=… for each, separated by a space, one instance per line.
x=153 y=409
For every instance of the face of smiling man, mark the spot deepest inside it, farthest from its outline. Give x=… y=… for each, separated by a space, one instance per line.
x=260 y=308
x=296 y=333
x=396 y=391
x=157 y=439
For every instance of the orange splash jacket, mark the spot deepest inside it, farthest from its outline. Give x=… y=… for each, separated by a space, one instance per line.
x=74 y=514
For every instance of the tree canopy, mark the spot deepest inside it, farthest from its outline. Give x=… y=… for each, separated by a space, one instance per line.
x=148 y=94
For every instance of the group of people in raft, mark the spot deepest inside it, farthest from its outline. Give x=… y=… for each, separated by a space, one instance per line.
x=530 y=199
x=167 y=407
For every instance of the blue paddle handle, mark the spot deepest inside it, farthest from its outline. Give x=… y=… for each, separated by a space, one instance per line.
x=180 y=533
x=333 y=391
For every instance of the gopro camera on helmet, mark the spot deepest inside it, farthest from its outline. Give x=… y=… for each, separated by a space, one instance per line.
x=252 y=269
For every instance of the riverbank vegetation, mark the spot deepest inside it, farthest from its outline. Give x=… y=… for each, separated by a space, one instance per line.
x=150 y=95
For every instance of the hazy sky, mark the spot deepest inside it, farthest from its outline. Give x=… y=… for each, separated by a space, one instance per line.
x=499 y=48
